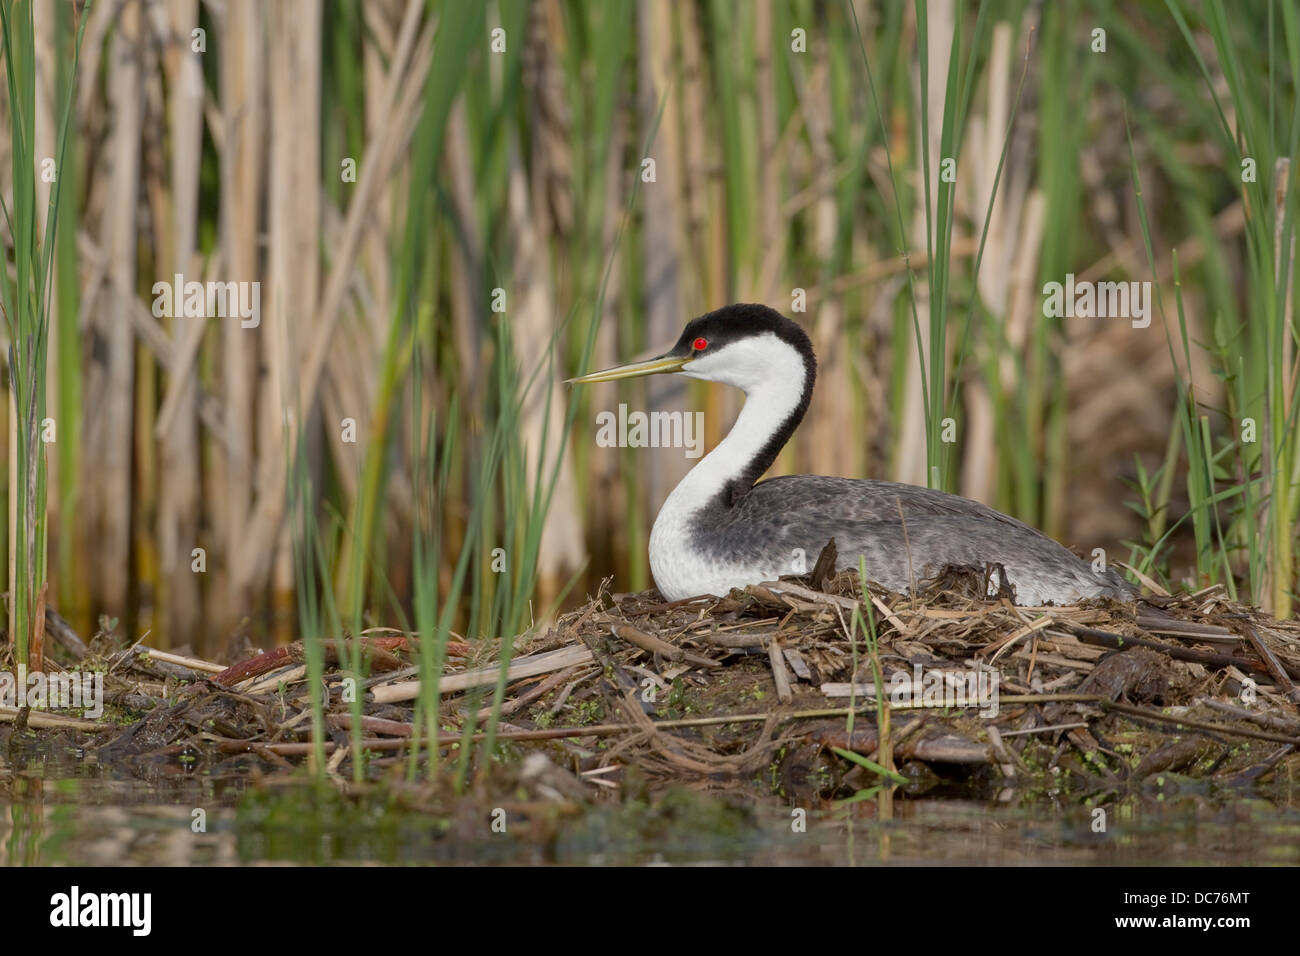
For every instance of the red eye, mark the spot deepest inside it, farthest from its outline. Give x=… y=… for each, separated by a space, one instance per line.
x=700 y=344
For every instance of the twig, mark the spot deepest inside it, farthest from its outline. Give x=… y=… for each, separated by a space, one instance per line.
x=63 y=632
x=739 y=641
x=825 y=566
x=9 y=715
x=1274 y=665
x=530 y=695
x=797 y=664
x=1163 y=623
x=268 y=684
x=563 y=697
x=1265 y=720
x=1089 y=635
x=648 y=642
x=529 y=666
x=1181 y=722
x=1150 y=583
x=253 y=666
x=779 y=673
x=372 y=725
x=1041 y=730
x=1000 y=646
x=816 y=597
x=193 y=663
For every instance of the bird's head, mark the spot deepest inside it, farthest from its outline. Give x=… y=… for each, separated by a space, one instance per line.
x=747 y=346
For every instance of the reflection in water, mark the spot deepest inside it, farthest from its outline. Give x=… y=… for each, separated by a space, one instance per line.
x=95 y=820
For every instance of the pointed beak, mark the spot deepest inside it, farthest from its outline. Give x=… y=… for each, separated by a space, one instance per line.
x=656 y=366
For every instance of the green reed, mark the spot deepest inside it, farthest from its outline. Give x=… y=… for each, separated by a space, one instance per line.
x=26 y=299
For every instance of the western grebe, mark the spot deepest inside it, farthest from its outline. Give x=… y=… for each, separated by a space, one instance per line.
x=719 y=529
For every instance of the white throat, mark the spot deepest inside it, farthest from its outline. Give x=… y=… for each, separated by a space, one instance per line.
x=772 y=375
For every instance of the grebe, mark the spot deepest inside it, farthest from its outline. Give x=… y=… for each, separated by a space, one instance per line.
x=719 y=529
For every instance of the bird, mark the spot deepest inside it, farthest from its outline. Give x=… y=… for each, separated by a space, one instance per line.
x=722 y=528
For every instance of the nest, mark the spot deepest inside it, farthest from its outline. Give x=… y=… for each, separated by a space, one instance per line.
x=776 y=687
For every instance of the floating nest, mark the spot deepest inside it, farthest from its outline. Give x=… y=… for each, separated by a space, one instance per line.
x=777 y=687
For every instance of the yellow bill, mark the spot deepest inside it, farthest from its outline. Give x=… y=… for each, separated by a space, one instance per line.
x=655 y=366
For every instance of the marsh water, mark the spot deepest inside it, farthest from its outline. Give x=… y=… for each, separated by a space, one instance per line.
x=65 y=809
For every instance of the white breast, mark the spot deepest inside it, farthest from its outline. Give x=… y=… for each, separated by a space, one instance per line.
x=771 y=374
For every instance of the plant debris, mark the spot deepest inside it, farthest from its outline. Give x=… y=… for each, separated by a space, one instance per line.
x=763 y=686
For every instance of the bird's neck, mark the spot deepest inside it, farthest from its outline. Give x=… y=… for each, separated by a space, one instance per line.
x=773 y=409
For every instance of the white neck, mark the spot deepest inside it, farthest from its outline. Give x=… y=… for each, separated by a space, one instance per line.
x=772 y=375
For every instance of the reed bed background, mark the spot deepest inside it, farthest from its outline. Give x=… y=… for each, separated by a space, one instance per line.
x=451 y=207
